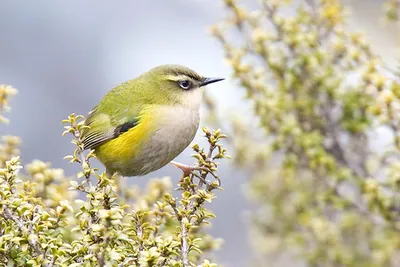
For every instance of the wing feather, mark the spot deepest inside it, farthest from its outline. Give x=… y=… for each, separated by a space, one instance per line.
x=101 y=130
x=108 y=121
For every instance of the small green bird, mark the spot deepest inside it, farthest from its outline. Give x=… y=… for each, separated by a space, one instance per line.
x=144 y=123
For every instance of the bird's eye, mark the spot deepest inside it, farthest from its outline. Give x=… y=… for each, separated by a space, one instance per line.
x=185 y=84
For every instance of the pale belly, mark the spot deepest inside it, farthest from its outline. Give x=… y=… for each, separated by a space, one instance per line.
x=176 y=128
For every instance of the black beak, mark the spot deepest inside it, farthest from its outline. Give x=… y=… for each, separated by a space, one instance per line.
x=210 y=80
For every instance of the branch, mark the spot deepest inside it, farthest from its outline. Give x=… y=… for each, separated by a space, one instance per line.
x=189 y=214
x=184 y=244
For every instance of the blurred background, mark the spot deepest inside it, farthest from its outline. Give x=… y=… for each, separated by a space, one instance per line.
x=64 y=56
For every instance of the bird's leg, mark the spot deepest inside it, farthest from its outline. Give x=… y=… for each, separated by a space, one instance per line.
x=187 y=170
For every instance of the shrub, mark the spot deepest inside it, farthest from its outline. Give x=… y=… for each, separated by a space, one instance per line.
x=326 y=195
x=44 y=223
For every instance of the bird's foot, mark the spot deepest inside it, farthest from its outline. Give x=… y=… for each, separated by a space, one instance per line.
x=186 y=169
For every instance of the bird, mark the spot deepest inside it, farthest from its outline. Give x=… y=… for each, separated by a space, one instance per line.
x=142 y=124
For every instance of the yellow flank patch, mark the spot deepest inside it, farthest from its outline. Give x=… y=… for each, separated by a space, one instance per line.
x=121 y=150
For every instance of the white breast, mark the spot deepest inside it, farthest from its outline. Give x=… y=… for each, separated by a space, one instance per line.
x=176 y=128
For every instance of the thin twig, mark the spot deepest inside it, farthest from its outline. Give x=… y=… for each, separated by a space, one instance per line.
x=8 y=214
x=184 y=245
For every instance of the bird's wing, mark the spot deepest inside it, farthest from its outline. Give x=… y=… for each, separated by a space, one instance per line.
x=108 y=121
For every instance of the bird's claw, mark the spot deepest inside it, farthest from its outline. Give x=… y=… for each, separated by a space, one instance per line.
x=188 y=170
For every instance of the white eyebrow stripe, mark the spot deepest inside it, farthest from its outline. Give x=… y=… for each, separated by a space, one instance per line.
x=178 y=77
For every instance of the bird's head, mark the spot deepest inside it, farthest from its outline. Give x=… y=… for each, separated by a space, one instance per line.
x=178 y=85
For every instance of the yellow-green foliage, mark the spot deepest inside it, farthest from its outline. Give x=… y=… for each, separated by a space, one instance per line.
x=327 y=194
x=48 y=219
x=392 y=8
x=6 y=92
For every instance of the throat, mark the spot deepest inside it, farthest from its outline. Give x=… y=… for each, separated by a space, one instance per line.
x=192 y=99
